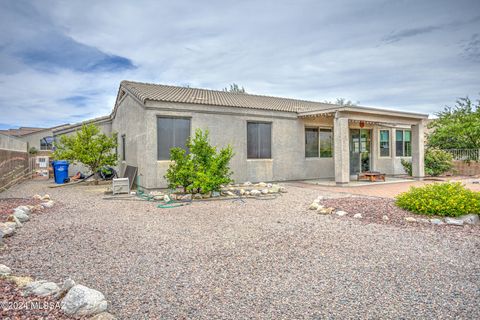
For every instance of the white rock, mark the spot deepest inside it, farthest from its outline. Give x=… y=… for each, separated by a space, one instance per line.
x=37 y=197
x=41 y=288
x=269 y=185
x=215 y=194
x=21 y=215
x=4 y=270
x=46 y=197
x=341 y=213
x=262 y=184
x=255 y=192
x=283 y=190
x=264 y=191
x=166 y=198
x=275 y=188
x=323 y=210
x=314 y=206
x=436 y=221
x=67 y=285
x=48 y=204
x=410 y=219
x=423 y=220
x=242 y=192
x=357 y=216
x=453 y=221
x=7 y=228
x=247 y=193
x=25 y=209
x=19 y=224
x=83 y=301
x=230 y=193
x=197 y=196
x=385 y=218
x=470 y=219
x=247 y=183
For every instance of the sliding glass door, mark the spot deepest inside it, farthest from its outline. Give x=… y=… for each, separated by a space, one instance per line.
x=360 y=141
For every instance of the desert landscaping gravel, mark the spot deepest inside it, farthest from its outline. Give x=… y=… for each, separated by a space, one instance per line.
x=261 y=259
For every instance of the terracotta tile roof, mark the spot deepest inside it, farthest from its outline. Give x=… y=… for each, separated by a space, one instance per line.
x=21 y=131
x=159 y=92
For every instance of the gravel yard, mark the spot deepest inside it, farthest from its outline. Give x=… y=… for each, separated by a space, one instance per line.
x=262 y=259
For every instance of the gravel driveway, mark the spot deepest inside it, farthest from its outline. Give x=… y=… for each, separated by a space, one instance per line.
x=260 y=259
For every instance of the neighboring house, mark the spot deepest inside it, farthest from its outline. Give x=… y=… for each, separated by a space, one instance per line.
x=39 y=138
x=274 y=139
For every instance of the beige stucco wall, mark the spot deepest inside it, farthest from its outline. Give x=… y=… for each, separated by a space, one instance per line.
x=33 y=139
x=12 y=144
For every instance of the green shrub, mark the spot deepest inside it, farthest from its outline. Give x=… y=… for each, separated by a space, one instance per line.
x=443 y=199
x=437 y=162
x=203 y=169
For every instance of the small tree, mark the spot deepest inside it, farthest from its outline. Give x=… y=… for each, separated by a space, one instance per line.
x=203 y=169
x=457 y=127
x=235 y=88
x=89 y=147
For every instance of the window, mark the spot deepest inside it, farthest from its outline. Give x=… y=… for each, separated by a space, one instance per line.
x=311 y=142
x=384 y=143
x=171 y=133
x=326 y=143
x=46 y=143
x=124 y=157
x=318 y=142
x=403 y=143
x=259 y=140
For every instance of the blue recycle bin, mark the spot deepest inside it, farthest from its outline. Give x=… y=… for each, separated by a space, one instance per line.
x=60 y=171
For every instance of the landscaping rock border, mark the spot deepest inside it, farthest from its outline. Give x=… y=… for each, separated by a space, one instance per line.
x=75 y=300
x=469 y=219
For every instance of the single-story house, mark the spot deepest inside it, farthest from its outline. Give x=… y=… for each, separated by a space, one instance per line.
x=274 y=139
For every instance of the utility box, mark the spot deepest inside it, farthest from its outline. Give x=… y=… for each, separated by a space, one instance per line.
x=120 y=185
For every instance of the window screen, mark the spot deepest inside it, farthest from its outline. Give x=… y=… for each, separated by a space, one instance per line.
x=399 y=143
x=171 y=133
x=259 y=140
x=384 y=143
x=326 y=143
x=404 y=143
x=124 y=144
x=408 y=143
x=311 y=142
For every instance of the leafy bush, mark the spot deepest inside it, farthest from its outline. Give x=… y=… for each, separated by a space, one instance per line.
x=443 y=199
x=437 y=162
x=33 y=150
x=89 y=147
x=203 y=169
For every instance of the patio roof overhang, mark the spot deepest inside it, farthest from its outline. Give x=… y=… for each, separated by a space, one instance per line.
x=368 y=115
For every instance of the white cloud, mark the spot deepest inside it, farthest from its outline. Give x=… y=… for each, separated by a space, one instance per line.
x=305 y=49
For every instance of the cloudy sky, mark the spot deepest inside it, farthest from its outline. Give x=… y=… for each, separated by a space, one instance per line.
x=62 y=61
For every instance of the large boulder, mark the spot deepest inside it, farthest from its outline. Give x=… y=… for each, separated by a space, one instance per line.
x=453 y=221
x=48 y=204
x=470 y=219
x=7 y=229
x=25 y=209
x=41 y=288
x=67 y=285
x=4 y=270
x=83 y=301
x=21 y=215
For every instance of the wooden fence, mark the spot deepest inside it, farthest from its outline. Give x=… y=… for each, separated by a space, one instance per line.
x=15 y=166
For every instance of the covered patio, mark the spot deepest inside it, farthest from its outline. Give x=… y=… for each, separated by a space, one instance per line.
x=372 y=140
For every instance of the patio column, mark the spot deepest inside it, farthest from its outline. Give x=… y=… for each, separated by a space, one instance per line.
x=418 y=150
x=342 y=152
